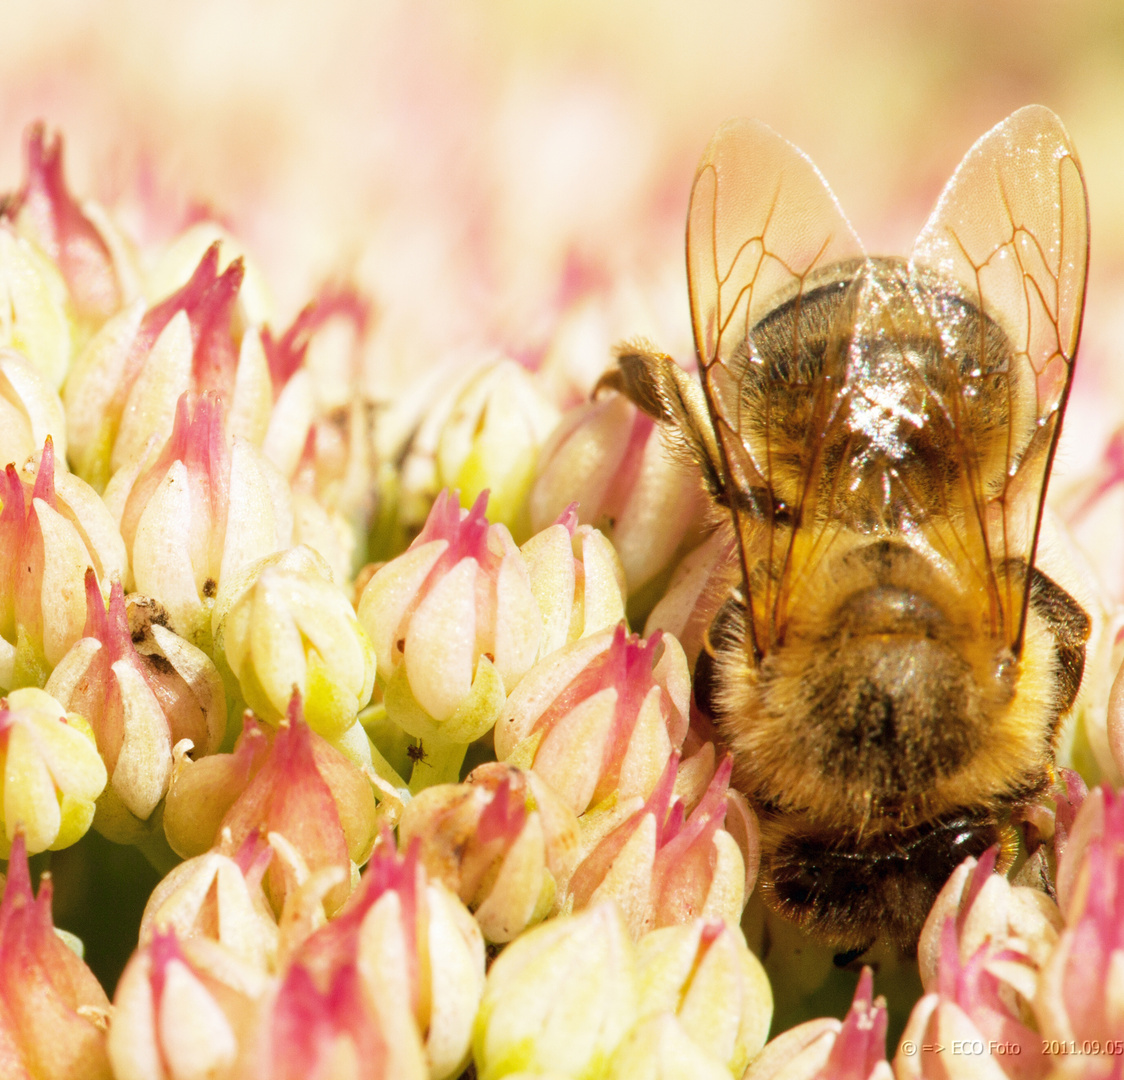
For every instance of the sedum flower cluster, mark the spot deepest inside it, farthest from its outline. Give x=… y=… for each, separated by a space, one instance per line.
x=438 y=812
x=425 y=804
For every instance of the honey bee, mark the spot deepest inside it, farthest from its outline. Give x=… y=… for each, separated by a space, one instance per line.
x=889 y=668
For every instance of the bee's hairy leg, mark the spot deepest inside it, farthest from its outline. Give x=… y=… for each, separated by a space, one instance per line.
x=658 y=386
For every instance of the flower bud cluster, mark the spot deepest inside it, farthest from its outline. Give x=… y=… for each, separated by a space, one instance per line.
x=578 y=997
x=1029 y=982
x=194 y=662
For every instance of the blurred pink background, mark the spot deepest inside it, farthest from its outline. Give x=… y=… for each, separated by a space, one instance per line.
x=514 y=175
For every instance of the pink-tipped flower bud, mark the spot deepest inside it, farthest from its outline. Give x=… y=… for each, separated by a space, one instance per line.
x=609 y=458
x=599 y=717
x=219 y=896
x=51 y=772
x=417 y=951
x=988 y=910
x=577 y=579
x=703 y=973
x=285 y=625
x=829 y=1050
x=139 y=705
x=560 y=997
x=665 y=867
x=78 y=239
x=290 y=783
x=334 y=1029
x=124 y=388
x=502 y=841
x=455 y=626
x=981 y=1003
x=183 y=1010
x=201 y=512
x=53 y=1012
x=1080 y=996
x=53 y=527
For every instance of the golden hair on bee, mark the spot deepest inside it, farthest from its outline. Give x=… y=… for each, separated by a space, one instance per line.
x=891 y=669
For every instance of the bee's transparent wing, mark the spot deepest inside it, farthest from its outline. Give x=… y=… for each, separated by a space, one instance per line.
x=1011 y=229
x=762 y=222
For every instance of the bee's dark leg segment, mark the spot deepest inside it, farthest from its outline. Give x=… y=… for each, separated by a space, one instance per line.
x=1070 y=626
x=848 y=957
x=726 y=631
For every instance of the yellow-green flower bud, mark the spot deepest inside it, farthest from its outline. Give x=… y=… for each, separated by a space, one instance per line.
x=577 y=579
x=483 y=434
x=455 y=625
x=34 y=307
x=289 y=625
x=561 y=996
x=704 y=973
x=658 y=1048
x=30 y=410
x=51 y=772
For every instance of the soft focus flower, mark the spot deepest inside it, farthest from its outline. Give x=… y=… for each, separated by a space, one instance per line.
x=124 y=388
x=285 y=625
x=418 y=956
x=979 y=1003
x=483 y=434
x=197 y=515
x=577 y=580
x=53 y=1013
x=183 y=1011
x=80 y=240
x=560 y=997
x=829 y=1050
x=53 y=527
x=698 y=587
x=34 y=306
x=51 y=772
x=599 y=717
x=1081 y=989
x=704 y=974
x=320 y=431
x=663 y=866
x=30 y=411
x=139 y=706
x=502 y=841
x=610 y=459
x=290 y=783
x=455 y=626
